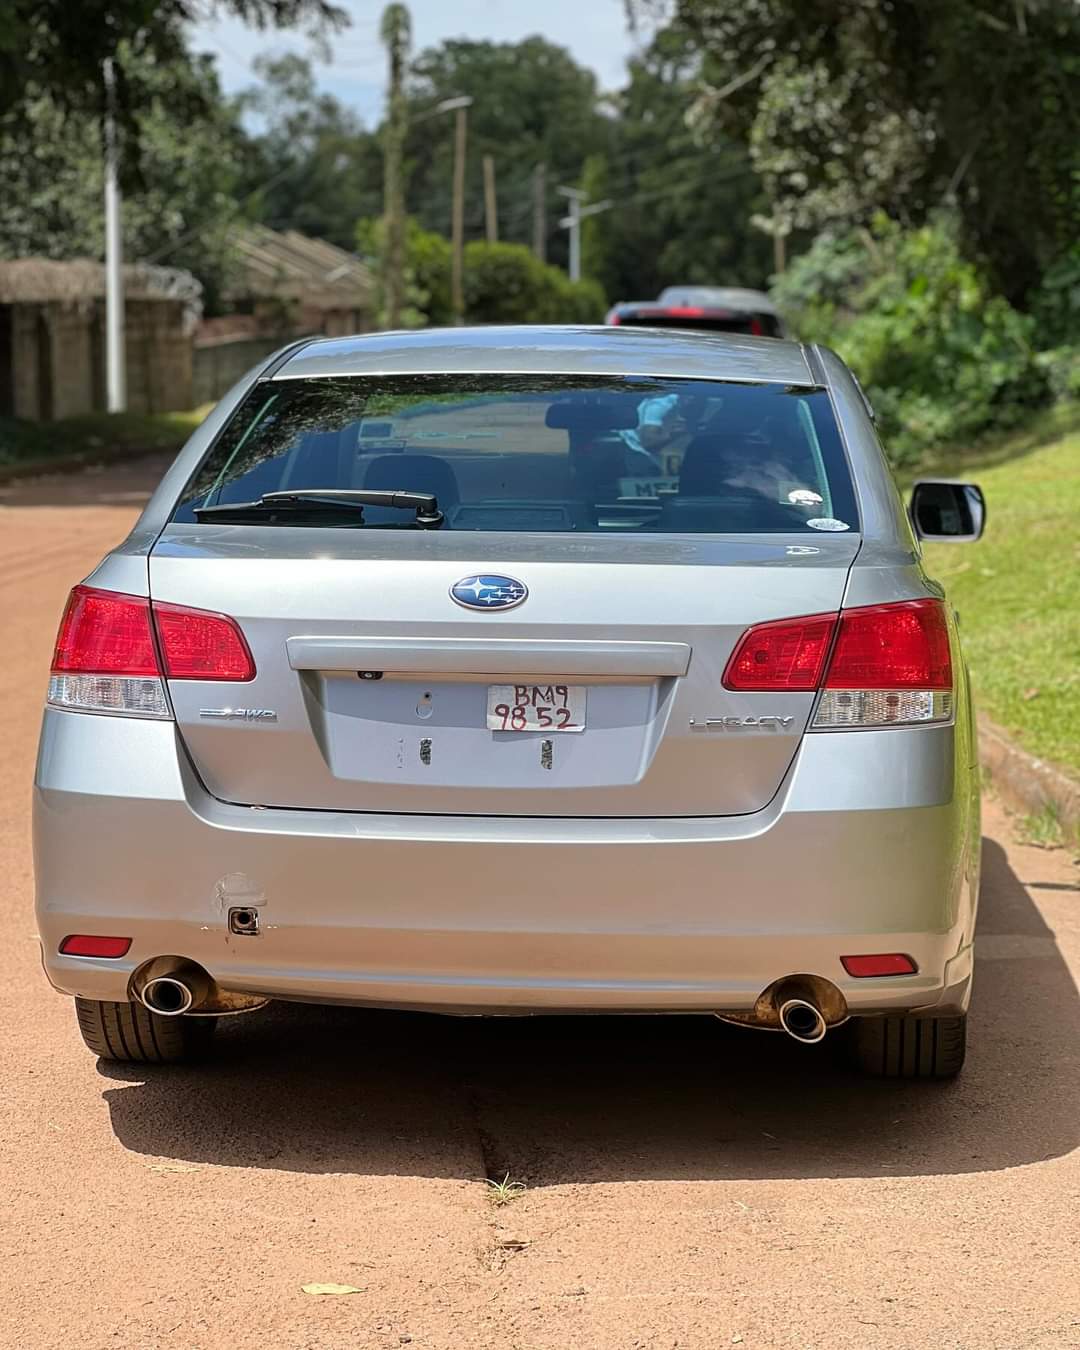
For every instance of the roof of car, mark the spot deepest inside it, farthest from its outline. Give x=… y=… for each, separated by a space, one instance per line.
x=535 y=349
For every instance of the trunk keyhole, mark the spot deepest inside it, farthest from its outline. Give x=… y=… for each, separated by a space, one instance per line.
x=425 y=707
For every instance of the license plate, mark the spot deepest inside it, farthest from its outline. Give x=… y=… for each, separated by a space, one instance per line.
x=536 y=707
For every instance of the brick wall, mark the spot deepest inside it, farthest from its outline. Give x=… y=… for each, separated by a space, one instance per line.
x=159 y=357
x=58 y=358
x=26 y=394
x=72 y=364
x=218 y=365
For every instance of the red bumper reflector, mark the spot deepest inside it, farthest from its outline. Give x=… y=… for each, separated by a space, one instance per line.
x=88 y=944
x=886 y=963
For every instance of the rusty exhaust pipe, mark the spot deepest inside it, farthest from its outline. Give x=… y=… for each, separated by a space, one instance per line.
x=802 y=1020
x=172 y=987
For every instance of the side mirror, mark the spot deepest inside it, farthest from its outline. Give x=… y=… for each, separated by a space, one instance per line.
x=948 y=511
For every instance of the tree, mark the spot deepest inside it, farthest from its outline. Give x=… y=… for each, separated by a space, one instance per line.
x=313 y=167
x=55 y=48
x=683 y=210
x=51 y=174
x=942 y=358
x=854 y=105
x=396 y=33
x=532 y=103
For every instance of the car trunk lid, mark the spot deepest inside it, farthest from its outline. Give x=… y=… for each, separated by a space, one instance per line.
x=371 y=691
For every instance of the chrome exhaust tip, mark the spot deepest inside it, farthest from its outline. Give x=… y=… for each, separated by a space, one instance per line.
x=167 y=996
x=171 y=987
x=802 y=1021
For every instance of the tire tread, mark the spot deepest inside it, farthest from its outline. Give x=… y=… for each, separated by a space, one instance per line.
x=910 y=1047
x=130 y=1033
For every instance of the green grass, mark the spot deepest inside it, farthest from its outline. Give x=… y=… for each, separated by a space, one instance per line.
x=96 y=435
x=1043 y=829
x=1018 y=591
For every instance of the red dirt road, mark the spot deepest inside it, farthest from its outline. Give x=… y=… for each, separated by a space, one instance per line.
x=688 y=1184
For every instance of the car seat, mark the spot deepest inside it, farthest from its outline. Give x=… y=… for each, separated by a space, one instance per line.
x=409 y=473
x=710 y=498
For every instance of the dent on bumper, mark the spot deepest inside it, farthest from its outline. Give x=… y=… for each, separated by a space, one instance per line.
x=870 y=849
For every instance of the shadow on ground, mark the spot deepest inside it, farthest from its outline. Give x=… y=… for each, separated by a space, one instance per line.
x=578 y=1100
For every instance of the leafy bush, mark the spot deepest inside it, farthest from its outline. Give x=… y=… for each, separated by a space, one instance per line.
x=1056 y=302
x=1061 y=367
x=575 y=301
x=942 y=359
x=504 y=283
x=507 y=283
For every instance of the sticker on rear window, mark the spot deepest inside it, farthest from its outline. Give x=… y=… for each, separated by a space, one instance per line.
x=803 y=497
x=647 y=487
x=828 y=523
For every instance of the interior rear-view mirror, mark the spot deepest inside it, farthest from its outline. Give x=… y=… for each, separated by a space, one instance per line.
x=942 y=509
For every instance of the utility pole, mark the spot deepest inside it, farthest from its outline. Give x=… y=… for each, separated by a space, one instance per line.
x=540 y=212
x=572 y=222
x=778 y=229
x=115 y=349
x=396 y=33
x=779 y=243
x=457 y=225
x=491 y=210
x=457 y=217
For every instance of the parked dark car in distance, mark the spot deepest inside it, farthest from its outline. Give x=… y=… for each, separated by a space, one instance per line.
x=722 y=309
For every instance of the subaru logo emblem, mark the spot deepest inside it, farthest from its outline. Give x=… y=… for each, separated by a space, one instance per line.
x=488 y=591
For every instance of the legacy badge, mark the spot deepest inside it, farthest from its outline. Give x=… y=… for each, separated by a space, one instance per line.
x=240 y=714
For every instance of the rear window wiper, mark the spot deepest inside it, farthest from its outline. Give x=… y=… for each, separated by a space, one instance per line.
x=288 y=505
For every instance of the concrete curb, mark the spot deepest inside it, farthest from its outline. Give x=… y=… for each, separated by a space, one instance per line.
x=81 y=459
x=1027 y=784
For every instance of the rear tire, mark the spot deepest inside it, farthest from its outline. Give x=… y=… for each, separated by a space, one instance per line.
x=909 y=1047
x=131 y=1033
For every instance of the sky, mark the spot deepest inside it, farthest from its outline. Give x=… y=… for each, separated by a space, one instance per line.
x=595 y=31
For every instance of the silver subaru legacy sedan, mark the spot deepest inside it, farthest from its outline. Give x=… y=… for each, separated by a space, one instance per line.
x=517 y=670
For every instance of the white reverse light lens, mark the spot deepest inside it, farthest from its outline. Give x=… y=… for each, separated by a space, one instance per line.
x=883 y=707
x=131 y=695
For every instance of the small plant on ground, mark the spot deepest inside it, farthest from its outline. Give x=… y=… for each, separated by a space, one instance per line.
x=502 y=1192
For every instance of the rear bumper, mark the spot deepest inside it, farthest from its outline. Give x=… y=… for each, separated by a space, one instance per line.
x=870 y=845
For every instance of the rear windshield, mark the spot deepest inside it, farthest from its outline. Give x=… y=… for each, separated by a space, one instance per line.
x=543 y=453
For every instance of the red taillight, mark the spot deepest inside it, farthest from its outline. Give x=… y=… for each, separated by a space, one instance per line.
x=107 y=633
x=198 y=645
x=106 y=657
x=87 y=944
x=756 y=329
x=897 y=646
x=789 y=654
x=890 y=665
x=103 y=633
x=884 y=963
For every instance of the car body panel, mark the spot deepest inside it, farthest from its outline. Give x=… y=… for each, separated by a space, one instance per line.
x=540 y=350
x=871 y=844
x=339 y=742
